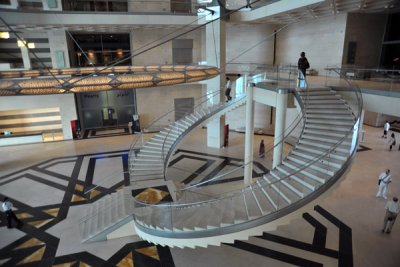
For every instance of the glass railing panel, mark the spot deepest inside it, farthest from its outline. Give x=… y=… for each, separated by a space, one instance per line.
x=383 y=80
x=300 y=177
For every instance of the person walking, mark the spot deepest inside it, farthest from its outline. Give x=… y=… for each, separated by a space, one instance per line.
x=261 y=151
x=384 y=179
x=392 y=141
x=386 y=128
x=303 y=64
x=392 y=209
x=228 y=89
x=7 y=208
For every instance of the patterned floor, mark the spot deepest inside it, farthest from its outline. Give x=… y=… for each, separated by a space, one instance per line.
x=72 y=181
x=50 y=198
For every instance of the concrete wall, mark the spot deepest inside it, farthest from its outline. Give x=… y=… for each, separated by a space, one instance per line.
x=58 y=43
x=156 y=101
x=242 y=37
x=322 y=39
x=367 y=31
x=149 y=6
x=66 y=103
x=144 y=38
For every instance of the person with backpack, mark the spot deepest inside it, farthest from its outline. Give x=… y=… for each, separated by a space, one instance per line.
x=303 y=64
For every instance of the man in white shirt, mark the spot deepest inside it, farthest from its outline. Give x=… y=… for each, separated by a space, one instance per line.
x=386 y=128
x=7 y=208
x=384 y=179
x=392 y=209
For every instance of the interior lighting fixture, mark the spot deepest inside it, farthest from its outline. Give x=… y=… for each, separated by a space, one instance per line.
x=119 y=52
x=21 y=43
x=4 y=35
x=126 y=77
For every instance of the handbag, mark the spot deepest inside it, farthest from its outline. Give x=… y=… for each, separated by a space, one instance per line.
x=379 y=181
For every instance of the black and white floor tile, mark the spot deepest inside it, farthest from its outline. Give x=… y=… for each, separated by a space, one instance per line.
x=58 y=188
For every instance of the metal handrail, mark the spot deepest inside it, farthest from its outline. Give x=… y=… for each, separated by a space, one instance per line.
x=359 y=102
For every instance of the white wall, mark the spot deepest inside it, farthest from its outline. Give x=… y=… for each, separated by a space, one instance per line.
x=155 y=101
x=141 y=38
x=242 y=37
x=322 y=40
x=66 y=103
x=58 y=42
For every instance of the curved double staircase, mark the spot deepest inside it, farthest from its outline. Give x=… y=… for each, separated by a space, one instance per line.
x=321 y=155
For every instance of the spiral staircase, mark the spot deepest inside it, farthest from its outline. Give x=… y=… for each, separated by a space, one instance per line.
x=320 y=157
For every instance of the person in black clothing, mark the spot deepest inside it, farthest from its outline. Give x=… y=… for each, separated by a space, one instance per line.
x=228 y=89
x=7 y=208
x=303 y=64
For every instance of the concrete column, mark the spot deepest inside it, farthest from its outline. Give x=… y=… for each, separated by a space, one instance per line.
x=58 y=43
x=52 y=5
x=215 y=56
x=281 y=103
x=13 y=5
x=249 y=134
x=25 y=57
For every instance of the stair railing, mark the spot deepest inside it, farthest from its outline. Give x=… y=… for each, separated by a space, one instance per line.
x=160 y=123
x=167 y=152
x=170 y=209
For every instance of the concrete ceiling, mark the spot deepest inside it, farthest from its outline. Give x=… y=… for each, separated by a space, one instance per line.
x=317 y=10
x=287 y=14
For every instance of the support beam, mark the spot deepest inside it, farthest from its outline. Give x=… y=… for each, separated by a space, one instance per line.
x=249 y=134
x=281 y=104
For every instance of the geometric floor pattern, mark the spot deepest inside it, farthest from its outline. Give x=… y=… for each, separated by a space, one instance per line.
x=54 y=186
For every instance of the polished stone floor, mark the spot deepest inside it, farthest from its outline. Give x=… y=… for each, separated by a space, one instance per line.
x=48 y=185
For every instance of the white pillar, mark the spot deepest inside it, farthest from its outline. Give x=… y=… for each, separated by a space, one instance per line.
x=25 y=57
x=58 y=43
x=249 y=134
x=52 y=5
x=281 y=103
x=215 y=56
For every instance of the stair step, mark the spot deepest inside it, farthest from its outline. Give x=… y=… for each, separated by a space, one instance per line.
x=293 y=185
x=252 y=207
x=171 y=135
x=311 y=156
x=325 y=101
x=327 y=138
x=330 y=116
x=282 y=190
x=318 y=166
x=300 y=178
x=330 y=122
x=311 y=173
x=318 y=150
x=239 y=208
x=272 y=195
x=263 y=201
x=324 y=126
x=316 y=131
x=341 y=148
x=311 y=106
x=339 y=110
x=228 y=215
